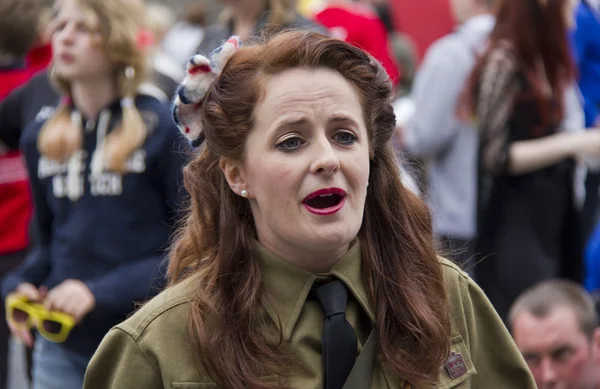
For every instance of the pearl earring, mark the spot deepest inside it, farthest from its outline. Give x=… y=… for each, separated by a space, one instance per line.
x=244 y=193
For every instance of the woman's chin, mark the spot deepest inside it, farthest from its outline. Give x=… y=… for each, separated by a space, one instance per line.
x=67 y=74
x=329 y=237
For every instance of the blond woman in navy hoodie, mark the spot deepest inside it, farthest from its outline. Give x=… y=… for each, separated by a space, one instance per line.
x=104 y=170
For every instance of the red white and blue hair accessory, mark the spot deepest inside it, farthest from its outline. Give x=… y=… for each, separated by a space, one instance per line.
x=201 y=73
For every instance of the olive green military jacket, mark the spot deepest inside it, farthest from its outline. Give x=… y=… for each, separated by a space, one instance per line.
x=151 y=350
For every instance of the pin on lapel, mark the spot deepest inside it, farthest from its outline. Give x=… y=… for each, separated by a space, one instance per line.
x=455 y=365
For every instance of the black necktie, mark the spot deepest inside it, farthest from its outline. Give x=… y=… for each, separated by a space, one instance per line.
x=339 y=339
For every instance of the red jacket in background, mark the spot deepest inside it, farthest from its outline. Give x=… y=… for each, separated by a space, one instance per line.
x=15 y=201
x=11 y=78
x=360 y=26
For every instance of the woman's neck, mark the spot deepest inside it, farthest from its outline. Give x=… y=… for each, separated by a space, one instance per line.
x=312 y=261
x=246 y=16
x=90 y=96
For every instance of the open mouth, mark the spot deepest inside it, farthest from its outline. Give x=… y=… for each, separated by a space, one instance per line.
x=325 y=201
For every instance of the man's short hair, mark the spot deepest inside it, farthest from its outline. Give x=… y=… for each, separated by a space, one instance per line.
x=541 y=299
x=19 y=21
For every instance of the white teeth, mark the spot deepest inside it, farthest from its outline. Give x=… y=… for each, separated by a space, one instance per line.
x=326 y=195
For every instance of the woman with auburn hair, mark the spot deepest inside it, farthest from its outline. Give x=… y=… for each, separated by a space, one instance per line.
x=528 y=223
x=104 y=173
x=304 y=262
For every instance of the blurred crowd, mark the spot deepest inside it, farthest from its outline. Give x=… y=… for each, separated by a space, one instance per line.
x=498 y=116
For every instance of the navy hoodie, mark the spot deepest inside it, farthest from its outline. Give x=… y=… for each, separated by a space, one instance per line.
x=108 y=230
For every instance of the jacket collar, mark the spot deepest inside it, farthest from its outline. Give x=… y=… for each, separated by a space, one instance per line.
x=287 y=286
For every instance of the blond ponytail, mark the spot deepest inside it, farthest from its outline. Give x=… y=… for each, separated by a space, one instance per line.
x=61 y=135
x=131 y=134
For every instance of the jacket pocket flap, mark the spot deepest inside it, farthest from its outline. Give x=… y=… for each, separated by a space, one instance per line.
x=458 y=367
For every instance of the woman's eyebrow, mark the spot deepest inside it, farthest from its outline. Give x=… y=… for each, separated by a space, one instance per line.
x=291 y=122
x=343 y=119
x=298 y=121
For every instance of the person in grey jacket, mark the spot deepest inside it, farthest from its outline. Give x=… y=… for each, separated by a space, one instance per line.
x=436 y=134
x=251 y=18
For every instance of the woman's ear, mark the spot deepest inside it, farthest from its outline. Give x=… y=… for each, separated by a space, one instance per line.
x=234 y=175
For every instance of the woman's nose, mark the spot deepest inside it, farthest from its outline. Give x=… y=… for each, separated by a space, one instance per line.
x=326 y=159
x=67 y=35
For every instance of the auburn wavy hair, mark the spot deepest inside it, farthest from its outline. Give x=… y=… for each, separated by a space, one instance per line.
x=117 y=24
x=401 y=269
x=537 y=33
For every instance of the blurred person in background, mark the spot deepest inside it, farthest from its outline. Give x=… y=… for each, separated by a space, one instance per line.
x=252 y=18
x=555 y=326
x=182 y=40
x=404 y=53
x=310 y=7
x=38 y=98
x=592 y=261
x=436 y=135
x=168 y=73
x=18 y=34
x=40 y=55
x=586 y=44
x=104 y=168
x=360 y=25
x=384 y=12
x=528 y=222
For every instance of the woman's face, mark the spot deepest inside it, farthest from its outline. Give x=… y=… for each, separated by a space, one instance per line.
x=306 y=163
x=78 y=51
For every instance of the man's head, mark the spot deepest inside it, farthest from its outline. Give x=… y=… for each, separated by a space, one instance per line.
x=554 y=325
x=466 y=9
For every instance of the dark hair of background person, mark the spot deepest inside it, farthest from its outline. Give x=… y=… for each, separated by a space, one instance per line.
x=19 y=21
x=401 y=269
x=541 y=299
x=538 y=34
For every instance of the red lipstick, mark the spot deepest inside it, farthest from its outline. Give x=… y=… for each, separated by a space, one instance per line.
x=325 y=202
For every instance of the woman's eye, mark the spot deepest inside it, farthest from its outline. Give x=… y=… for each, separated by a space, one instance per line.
x=290 y=144
x=82 y=27
x=345 y=137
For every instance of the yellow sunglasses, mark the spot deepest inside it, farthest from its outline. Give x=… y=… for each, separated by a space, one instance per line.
x=24 y=314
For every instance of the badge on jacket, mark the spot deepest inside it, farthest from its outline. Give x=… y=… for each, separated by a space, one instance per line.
x=455 y=365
